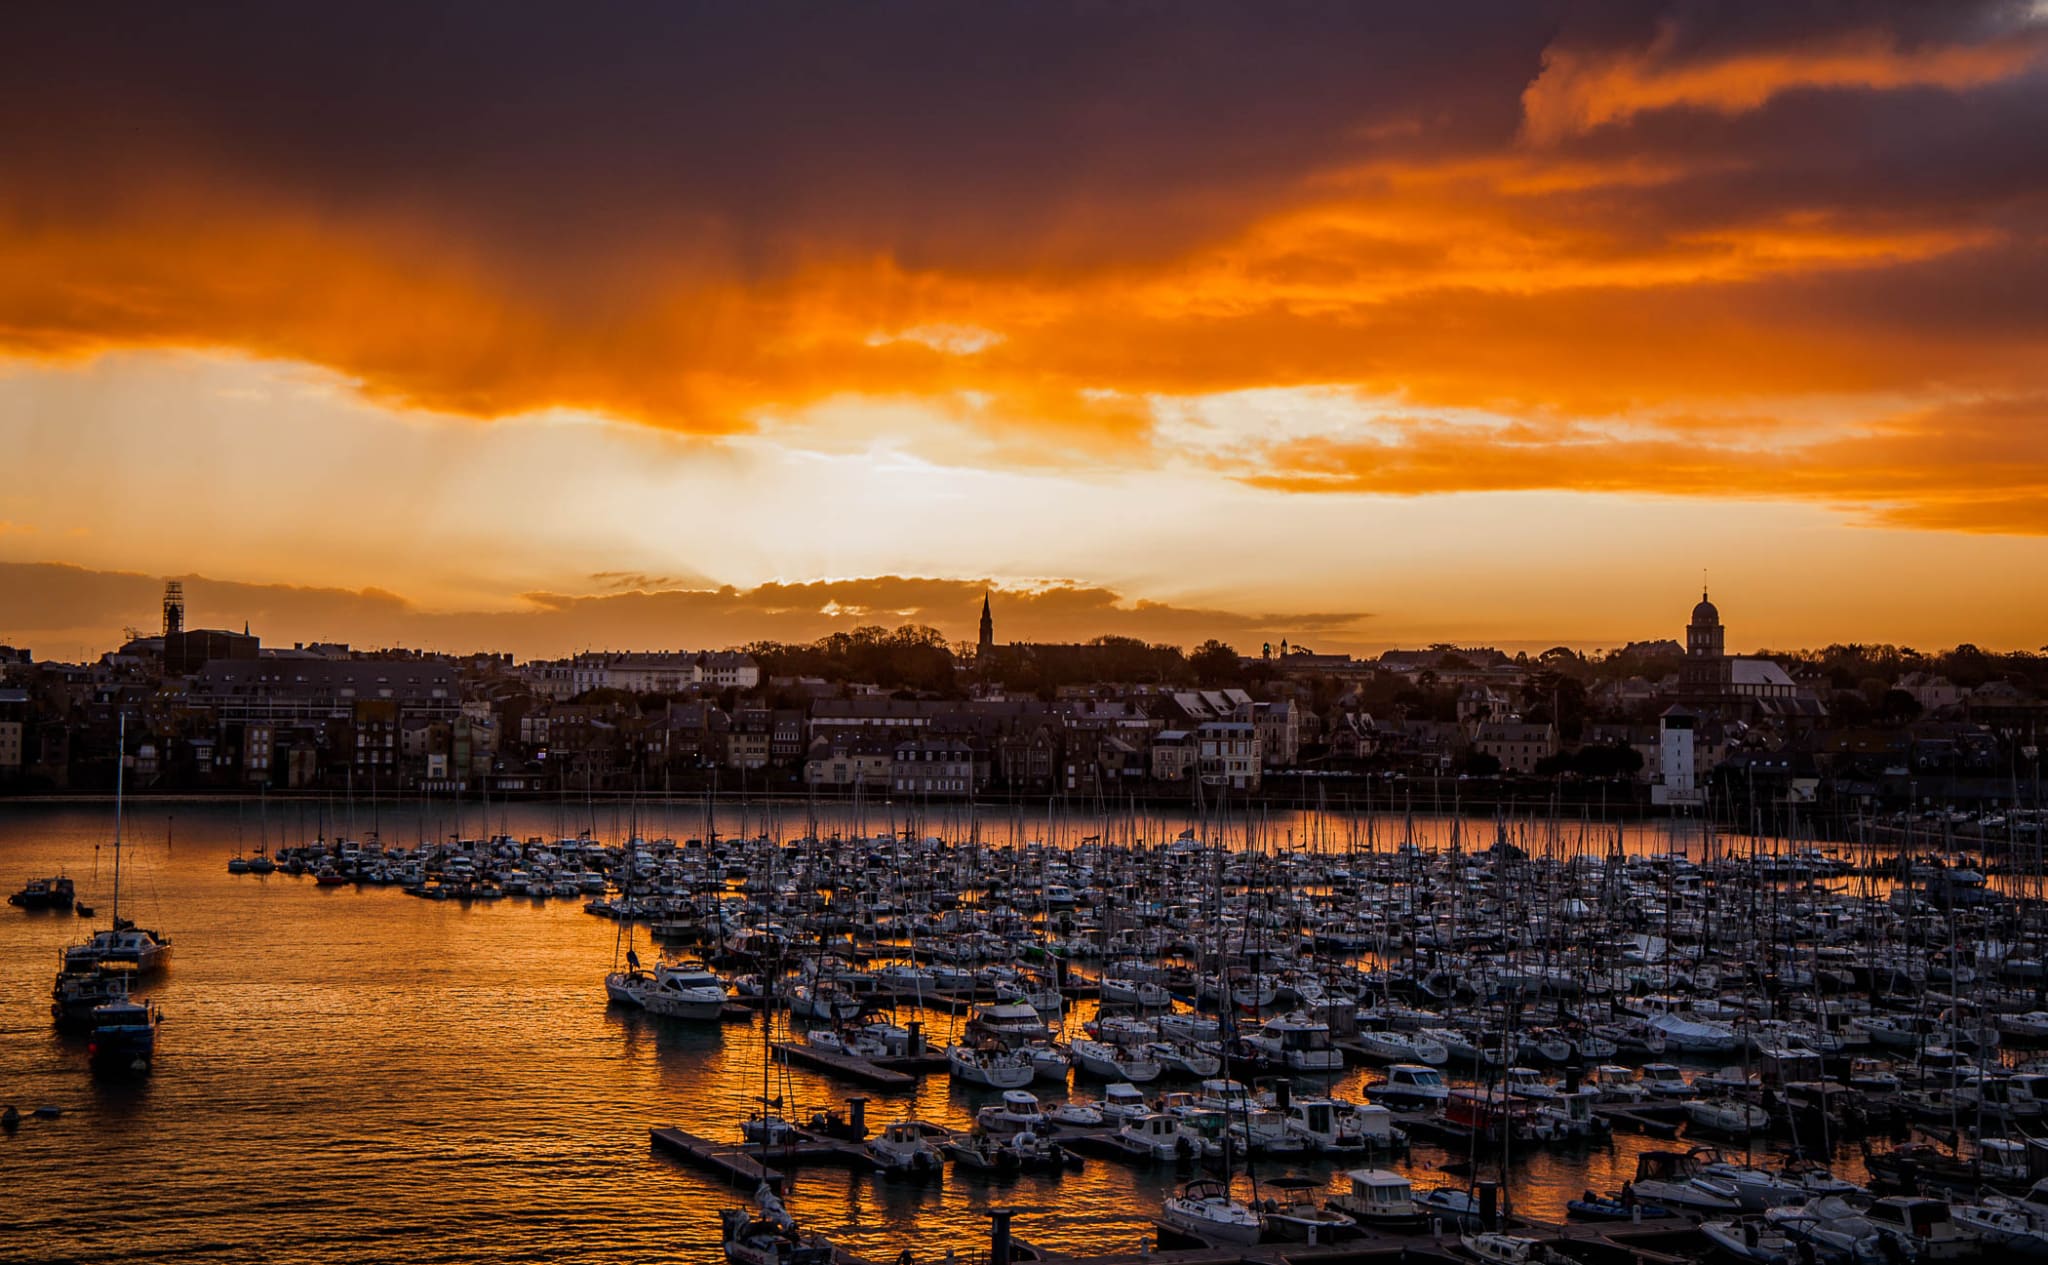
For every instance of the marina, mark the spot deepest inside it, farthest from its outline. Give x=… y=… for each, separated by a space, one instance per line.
x=1627 y=1053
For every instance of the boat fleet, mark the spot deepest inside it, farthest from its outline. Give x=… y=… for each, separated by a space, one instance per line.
x=1527 y=993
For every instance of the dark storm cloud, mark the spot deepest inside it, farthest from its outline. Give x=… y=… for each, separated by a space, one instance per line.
x=1039 y=219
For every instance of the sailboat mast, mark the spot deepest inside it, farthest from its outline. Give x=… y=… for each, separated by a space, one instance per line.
x=120 y=769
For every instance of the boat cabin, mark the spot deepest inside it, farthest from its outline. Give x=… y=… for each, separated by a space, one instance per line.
x=1484 y=1112
x=1923 y=1225
x=1414 y=1080
x=1380 y=1198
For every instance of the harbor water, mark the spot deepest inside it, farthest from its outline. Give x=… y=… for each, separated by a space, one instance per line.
x=351 y=1074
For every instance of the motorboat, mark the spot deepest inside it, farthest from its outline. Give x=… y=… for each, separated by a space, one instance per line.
x=1176 y=1059
x=1049 y=1062
x=982 y=1153
x=1923 y=1227
x=1834 y=1227
x=1292 y=1215
x=123 y=1036
x=1129 y=992
x=1036 y=1153
x=1617 y=1084
x=1206 y=1208
x=1009 y=1024
x=1403 y=1047
x=1665 y=1080
x=1265 y=1131
x=1503 y=1249
x=1018 y=1112
x=685 y=990
x=1675 y=1180
x=1750 y=1241
x=2002 y=1229
x=1456 y=1209
x=1328 y=1126
x=1416 y=1084
x=1727 y=1116
x=45 y=893
x=827 y=1001
x=1297 y=1043
x=990 y=1065
x=765 y=1128
x=1380 y=1199
x=903 y=1150
x=1592 y=1207
x=1160 y=1136
x=1570 y=1117
x=1109 y=1062
x=1123 y=1101
x=78 y=994
x=1077 y=1115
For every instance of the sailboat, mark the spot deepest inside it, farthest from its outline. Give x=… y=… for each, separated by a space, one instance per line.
x=123 y=943
x=123 y=1029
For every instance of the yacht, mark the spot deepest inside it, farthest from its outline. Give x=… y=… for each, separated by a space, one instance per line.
x=990 y=1065
x=685 y=990
x=1008 y=1023
x=123 y=944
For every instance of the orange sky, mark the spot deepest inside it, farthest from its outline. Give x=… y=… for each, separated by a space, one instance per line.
x=1497 y=322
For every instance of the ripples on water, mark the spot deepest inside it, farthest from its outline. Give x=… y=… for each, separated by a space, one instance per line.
x=354 y=1074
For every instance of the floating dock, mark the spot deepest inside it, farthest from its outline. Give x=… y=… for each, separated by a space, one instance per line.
x=849 y=1066
x=728 y=1159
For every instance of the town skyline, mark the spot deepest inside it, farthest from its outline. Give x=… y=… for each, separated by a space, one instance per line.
x=634 y=616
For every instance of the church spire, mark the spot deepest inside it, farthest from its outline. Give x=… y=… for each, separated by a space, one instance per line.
x=987 y=644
